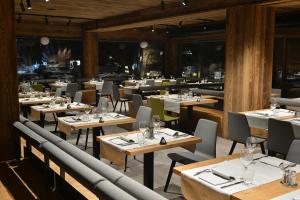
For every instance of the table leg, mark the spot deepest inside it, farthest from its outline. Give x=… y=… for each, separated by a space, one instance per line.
x=149 y=169
x=96 y=144
x=189 y=120
x=42 y=119
x=25 y=110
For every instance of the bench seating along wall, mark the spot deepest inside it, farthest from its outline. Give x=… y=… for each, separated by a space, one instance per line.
x=100 y=177
x=286 y=101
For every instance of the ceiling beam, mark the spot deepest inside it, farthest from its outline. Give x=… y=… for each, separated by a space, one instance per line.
x=174 y=12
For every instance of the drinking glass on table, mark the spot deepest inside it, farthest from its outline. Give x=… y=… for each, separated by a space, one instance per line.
x=156 y=123
x=246 y=158
x=250 y=144
x=141 y=138
x=143 y=126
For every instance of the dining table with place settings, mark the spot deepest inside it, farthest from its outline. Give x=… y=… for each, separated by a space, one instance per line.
x=259 y=118
x=93 y=84
x=38 y=112
x=95 y=121
x=173 y=103
x=58 y=84
x=221 y=178
x=25 y=103
x=117 y=147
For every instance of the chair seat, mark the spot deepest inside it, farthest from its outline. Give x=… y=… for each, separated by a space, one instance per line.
x=258 y=140
x=188 y=157
x=168 y=118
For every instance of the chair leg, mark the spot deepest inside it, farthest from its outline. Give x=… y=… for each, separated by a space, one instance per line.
x=56 y=122
x=111 y=100
x=125 y=105
x=169 y=175
x=86 y=138
x=262 y=146
x=78 y=136
x=232 y=147
x=115 y=105
x=125 y=169
x=121 y=107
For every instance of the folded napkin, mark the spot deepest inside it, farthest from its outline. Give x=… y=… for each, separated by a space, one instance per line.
x=276 y=162
x=171 y=132
x=212 y=178
x=122 y=141
x=72 y=120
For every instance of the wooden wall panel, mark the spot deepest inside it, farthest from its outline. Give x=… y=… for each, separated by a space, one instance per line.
x=9 y=109
x=171 y=58
x=90 y=55
x=249 y=58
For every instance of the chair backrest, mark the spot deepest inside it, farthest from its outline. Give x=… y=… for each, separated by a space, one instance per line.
x=78 y=97
x=58 y=92
x=143 y=114
x=38 y=87
x=116 y=92
x=157 y=108
x=102 y=100
x=280 y=136
x=107 y=88
x=72 y=88
x=294 y=152
x=165 y=82
x=150 y=82
x=238 y=127
x=207 y=131
x=137 y=102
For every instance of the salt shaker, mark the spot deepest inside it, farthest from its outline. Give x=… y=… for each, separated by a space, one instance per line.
x=285 y=178
x=292 y=178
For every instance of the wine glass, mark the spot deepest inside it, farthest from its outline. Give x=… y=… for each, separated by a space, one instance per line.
x=246 y=159
x=156 y=123
x=250 y=144
x=142 y=126
x=104 y=107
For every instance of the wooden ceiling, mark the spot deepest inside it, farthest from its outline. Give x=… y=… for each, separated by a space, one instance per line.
x=125 y=14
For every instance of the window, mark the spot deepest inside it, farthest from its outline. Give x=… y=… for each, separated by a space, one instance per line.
x=202 y=60
x=48 y=58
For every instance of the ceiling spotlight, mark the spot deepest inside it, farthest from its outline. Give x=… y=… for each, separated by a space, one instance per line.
x=46 y=20
x=162 y=4
x=19 y=19
x=152 y=29
x=69 y=22
x=204 y=27
x=22 y=6
x=28 y=4
x=47 y=0
x=184 y=2
x=167 y=31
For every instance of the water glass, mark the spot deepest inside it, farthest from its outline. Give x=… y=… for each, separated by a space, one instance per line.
x=156 y=123
x=246 y=157
x=141 y=138
x=143 y=126
x=249 y=173
x=52 y=103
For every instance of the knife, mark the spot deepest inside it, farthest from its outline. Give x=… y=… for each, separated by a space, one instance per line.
x=232 y=184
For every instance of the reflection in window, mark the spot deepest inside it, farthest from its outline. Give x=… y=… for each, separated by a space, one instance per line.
x=48 y=58
x=131 y=58
x=202 y=60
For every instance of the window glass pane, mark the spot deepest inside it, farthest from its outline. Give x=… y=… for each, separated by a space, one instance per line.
x=49 y=58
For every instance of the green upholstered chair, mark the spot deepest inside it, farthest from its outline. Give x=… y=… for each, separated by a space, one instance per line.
x=158 y=109
x=37 y=87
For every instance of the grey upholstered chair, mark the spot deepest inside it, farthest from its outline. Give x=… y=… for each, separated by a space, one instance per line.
x=144 y=114
x=78 y=97
x=58 y=92
x=150 y=82
x=207 y=131
x=72 y=88
x=107 y=90
x=137 y=102
x=239 y=131
x=294 y=152
x=280 y=137
x=118 y=98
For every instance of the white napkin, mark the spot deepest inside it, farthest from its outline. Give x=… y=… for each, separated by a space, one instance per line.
x=273 y=161
x=171 y=132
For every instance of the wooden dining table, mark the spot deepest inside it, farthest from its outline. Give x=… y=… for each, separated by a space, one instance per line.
x=66 y=128
x=25 y=103
x=118 y=155
x=38 y=112
x=193 y=190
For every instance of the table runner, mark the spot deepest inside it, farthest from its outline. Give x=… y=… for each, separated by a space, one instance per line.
x=192 y=186
x=259 y=119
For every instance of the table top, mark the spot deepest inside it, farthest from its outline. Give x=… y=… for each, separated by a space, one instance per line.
x=29 y=94
x=153 y=147
x=265 y=191
x=66 y=127
x=36 y=100
x=58 y=108
x=288 y=114
x=185 y=102
x=58 y=84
